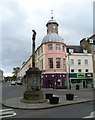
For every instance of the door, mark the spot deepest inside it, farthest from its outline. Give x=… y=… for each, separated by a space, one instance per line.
x=84 y=83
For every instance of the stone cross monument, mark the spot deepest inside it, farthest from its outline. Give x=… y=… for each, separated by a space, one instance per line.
x=33 y=93
x=33 y=48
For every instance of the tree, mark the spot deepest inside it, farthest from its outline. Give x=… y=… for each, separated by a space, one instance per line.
x=15 y=71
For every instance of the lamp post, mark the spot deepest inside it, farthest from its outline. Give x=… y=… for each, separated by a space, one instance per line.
x=69 y=53
x=93 y=53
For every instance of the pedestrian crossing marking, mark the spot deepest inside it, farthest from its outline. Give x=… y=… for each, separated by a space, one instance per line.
x=7 y=113
x=92 y=115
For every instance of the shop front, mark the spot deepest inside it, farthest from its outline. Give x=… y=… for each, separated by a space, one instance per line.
x=83 y=80
x=55 y=80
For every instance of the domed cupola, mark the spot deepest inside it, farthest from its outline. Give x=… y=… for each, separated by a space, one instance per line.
x=52 y=32
x=52 y=37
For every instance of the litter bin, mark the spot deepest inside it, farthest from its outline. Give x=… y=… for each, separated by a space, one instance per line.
x=48 y=95
x=69 y=96
x=77 y=87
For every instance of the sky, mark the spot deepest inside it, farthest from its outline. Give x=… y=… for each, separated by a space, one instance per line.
x=19 y=17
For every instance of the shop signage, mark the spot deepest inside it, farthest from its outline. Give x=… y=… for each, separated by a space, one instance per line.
x=89 y=74
x=80 y=75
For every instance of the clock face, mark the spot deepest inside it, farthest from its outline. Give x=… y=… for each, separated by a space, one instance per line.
x=54 y=27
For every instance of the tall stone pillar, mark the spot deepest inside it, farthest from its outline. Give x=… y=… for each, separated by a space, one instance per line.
x=33 y=93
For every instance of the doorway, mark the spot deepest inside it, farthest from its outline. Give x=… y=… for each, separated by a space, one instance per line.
x=84 y=83
x=49 y=83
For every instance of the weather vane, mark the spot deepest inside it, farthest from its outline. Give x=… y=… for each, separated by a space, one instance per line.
x=52 y=14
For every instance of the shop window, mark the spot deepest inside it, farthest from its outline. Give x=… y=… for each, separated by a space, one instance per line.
x=57 y=47
x=50 y=62
x=76 y=81
x=50 y=47
x=57 y=62
x=59 y=82
x=79 y=61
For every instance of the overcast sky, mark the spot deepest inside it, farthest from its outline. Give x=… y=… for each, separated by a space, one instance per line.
x=20 y=17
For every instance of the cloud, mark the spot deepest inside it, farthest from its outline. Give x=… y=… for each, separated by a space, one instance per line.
x=19 y=17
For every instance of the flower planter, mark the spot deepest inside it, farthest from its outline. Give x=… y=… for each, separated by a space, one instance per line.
x=48 y=95
x=54 y=100
x=69 y=96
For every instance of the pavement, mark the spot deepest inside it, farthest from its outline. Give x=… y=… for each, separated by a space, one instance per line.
x=80 y=96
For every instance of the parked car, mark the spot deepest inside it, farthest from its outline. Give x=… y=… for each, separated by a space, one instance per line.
x=19 y=82
x=13 y=83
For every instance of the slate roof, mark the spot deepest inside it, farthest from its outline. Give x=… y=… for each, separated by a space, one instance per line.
x=76 y=48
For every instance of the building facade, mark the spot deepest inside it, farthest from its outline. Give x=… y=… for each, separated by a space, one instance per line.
x=1 y=75
x=79 y=67
x=50 y=58
x=89 y=44
x=60 y=67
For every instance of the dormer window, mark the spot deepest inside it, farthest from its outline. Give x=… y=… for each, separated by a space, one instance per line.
x=71 y=50
x=85 y=51
x=91 y=40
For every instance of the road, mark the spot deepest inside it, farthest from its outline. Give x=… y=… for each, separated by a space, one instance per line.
x=70 y=111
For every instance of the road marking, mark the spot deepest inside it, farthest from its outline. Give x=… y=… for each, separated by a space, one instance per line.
x=7 y=113
x=92 y=115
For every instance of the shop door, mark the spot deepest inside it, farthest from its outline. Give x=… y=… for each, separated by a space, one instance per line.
x=84 y=84
x=49 y=83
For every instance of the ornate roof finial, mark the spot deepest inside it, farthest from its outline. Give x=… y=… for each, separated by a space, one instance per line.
x=52 y=14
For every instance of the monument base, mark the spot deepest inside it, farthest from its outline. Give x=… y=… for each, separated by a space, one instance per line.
x=35 y=96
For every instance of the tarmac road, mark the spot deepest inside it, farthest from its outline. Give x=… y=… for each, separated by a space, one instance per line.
x=70 y=111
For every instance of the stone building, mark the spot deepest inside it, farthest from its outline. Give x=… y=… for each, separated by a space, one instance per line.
x=89 y=44
x=1 y=75
x=79 y=67
x=50 y=58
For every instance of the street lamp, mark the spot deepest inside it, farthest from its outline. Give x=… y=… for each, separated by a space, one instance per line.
x=69 y=53
x=93 y=56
